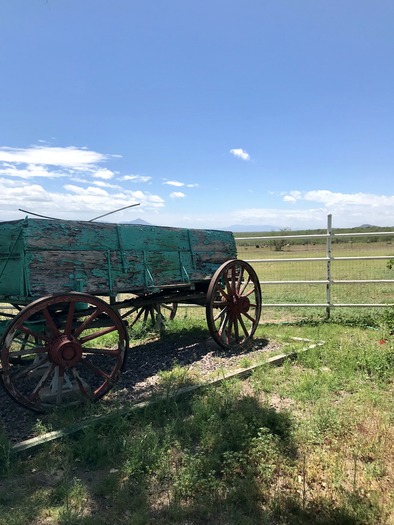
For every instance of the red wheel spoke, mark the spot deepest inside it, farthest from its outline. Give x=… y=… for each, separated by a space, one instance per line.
x=239 y=281
x=30 y=351
x=245 y=330
x=87 y=322
x=51 y=323
x=249 y=292
x=140 y=312
x=88 y=364
x=29 y=368
x=37 y=335
x=81 y=384
x=244 y=286
x=228 y=285
x=222 y=292
x=223 y=324
x=233 y=280
x=146 y=314
x=253 y=319
x=220 y=304
x=70 y=317
x=58 y=387
x=236 y=330
x=101 y=351
x=221 y=313
x=40 y=384
x=129 y=312
x=230 y=326
x=97 y=334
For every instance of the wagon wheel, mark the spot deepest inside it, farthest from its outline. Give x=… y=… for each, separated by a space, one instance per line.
x=54 y=352
x=148 y=314
x=233 y=305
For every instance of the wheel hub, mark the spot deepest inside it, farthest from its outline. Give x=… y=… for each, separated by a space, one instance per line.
x=241 y=304
x=65 y=351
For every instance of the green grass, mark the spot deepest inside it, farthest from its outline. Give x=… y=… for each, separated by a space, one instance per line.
x=310 y=441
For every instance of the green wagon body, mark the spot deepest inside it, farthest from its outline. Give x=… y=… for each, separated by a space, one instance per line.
x=41 y=257
x=61 y=343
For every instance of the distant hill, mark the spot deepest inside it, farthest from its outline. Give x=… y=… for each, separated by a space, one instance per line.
x=138 y=221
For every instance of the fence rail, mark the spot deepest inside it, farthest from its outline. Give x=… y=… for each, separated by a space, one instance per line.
x=329 y=260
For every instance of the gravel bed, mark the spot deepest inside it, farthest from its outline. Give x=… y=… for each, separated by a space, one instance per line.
x=140 y=378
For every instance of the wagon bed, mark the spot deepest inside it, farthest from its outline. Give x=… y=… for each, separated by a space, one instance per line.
x=79 y=288
x=40 y=257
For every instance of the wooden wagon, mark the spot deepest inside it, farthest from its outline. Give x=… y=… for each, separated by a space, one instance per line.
x=77 y=287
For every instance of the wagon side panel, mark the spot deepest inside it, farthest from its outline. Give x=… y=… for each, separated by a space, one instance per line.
x=94 y=272
x=210 y=249
x=12 y=275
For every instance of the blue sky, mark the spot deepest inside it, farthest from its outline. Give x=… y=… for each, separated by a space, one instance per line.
x=208 y=113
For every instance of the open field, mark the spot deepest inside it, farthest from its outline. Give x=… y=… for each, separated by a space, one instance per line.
x=341 y=293
x=308 y=442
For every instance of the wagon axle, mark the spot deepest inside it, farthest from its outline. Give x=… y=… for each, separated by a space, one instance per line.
x=65 y=351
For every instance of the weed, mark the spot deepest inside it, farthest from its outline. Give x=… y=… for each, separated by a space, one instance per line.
x=245 y=362
x=171 y=381
x=73 y=497
x=388 y=320
x=5 y=454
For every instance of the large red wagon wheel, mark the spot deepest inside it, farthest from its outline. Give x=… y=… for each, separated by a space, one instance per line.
x=233 y=305
x=61 y=350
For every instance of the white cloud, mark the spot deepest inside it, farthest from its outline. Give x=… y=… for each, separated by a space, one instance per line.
x=103 y=173
x=28 y=172
x=336 y=199
x=179 y=184
x=81 y=180
x=174 y=183
x=240 y=153
x=71 y=202
x=136 y=178
x=102 y=184
x=52 y=162
x=289 y=198
x=90 y=190
x=86 y=191
x=347 y=209
x=55 y=156
x=177 y=195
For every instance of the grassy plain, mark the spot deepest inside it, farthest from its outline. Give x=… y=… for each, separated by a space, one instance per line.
x=307 y=442
x=311 y=270
x=311 y=441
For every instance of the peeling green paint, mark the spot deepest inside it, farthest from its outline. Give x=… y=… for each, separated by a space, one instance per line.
x=40 y=257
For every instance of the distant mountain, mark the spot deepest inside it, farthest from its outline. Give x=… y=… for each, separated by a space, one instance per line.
x=138 y=221
x=251 y=228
